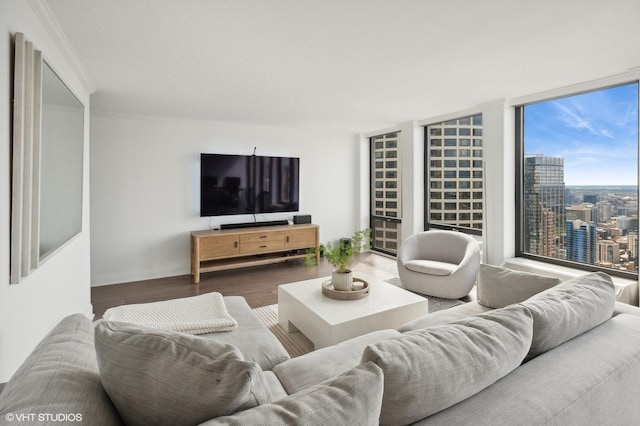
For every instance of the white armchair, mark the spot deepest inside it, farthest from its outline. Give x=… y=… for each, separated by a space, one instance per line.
x=439 y=263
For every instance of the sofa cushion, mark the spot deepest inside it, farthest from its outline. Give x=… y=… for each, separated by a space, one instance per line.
x=275 y=387
x=428 y=370
x=431 y=267
x=569 y=309
x=317 y=366
x=593 y=379
x=499 y=287
x=164 y=377
x=61 y=376
x=444 y=316
x=252 y=336
x=353 y=398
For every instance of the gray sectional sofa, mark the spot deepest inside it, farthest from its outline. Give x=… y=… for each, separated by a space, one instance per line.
x=529 y=351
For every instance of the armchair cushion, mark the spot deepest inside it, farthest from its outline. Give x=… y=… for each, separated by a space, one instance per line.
x=432 y=267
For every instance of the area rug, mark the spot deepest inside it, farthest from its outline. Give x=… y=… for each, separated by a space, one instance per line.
x=435 y=303
x=297 y=344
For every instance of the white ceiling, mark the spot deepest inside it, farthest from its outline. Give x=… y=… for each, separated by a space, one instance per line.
x=345 y=65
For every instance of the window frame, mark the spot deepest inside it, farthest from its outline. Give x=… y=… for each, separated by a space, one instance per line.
x=447 y=162
x=519 y=183
x=389 y=185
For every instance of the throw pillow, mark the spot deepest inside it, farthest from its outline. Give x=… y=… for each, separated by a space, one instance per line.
x=353 y=398
x=163 y=377
x=569 y=309
x=426 y=371
x=499 y=287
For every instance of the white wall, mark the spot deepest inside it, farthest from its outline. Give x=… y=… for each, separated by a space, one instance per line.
x=145 y=187
x=61 y=286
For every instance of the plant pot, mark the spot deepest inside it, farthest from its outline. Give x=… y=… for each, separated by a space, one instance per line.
x=342 y=281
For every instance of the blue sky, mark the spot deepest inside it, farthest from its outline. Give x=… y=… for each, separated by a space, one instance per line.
x=596 y=133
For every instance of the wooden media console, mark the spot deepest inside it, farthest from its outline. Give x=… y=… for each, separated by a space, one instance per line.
x=236 y=248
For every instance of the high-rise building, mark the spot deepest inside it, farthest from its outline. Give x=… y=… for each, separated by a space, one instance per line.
x=590 y=198
x=632 y=248
x=605 y=211
x=455 y=172
x=581 y=212
x=386 y=193
x=544 y=193
x=623 y=222
x=608 y=253
x=581 y=241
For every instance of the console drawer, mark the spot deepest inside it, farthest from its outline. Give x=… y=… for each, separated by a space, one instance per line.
x=261 y=246
x=261 y=237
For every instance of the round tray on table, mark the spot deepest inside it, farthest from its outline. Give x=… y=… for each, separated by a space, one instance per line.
x=360 y=289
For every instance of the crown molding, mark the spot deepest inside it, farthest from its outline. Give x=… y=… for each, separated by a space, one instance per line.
x=48 y=19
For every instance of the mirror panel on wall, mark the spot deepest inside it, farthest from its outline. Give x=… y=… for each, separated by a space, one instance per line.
x=61 y=159
x=47 y=162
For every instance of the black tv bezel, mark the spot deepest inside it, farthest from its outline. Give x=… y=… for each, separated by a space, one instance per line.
x=254 y=207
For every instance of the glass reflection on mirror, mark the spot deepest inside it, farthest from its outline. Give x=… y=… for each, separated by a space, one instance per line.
x=61 y=164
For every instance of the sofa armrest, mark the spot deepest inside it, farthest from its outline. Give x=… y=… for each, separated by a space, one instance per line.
x=623 y=308
x=61 y=376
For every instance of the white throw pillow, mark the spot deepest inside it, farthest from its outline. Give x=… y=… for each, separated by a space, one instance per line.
x=428 y=370
x=163 y=377
x=499 y=287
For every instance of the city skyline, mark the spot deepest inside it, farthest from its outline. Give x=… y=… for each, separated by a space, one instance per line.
x=596 y=133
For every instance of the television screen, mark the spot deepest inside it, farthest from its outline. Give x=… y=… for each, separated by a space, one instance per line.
x=248 y=184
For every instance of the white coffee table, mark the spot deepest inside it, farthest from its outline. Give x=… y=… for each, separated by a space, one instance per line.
x=326 y=321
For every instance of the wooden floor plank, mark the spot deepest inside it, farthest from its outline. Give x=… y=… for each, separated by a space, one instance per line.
x=257 y=284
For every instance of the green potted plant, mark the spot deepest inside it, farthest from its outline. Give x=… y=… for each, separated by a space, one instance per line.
x=340 y=256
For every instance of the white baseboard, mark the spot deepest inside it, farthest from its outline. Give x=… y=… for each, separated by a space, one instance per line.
x=100 y=280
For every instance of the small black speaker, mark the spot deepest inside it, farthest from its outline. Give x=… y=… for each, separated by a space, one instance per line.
x=301 y=218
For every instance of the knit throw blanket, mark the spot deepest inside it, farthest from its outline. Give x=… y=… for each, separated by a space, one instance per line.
x=206 y=313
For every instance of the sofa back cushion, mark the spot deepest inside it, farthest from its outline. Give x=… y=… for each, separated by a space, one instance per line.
x=569 y=309
x=499 y=287
x=323 y=364
x=164 y=377
x=428 y=370
x=353 y=398
x=60 y=377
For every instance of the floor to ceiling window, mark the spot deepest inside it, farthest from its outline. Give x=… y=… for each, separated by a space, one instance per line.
x=577 y=183
x=386 y=193
x=454 y=175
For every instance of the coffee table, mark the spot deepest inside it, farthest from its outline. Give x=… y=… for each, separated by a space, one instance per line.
x=326 y=321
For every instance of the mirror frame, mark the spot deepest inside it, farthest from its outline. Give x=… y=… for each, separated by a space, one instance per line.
x=26 y=162
x=27 y=86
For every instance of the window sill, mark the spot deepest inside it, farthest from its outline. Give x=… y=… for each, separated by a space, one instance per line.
x=626 y=289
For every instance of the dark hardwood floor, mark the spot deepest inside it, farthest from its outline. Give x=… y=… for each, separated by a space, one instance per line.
x=258 y=284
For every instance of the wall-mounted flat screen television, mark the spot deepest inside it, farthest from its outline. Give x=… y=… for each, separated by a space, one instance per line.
x=248 y=184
